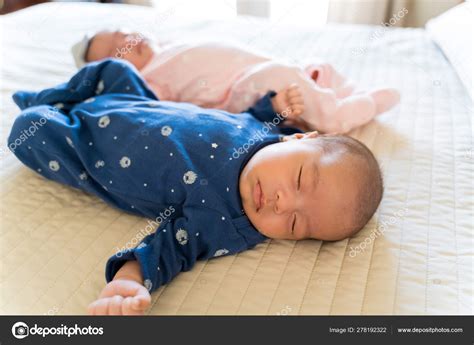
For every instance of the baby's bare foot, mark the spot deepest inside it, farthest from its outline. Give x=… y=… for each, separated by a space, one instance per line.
x=289 y=101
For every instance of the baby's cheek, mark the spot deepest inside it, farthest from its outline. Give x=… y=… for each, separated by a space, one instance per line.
x=271 y=226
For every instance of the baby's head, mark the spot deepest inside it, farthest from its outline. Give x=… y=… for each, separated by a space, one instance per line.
x=131 y=46
x=325 y=187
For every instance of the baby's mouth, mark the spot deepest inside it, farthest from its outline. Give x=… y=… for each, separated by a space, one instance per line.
x=258 y=196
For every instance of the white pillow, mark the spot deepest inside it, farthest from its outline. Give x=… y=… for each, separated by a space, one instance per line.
x=453 y=32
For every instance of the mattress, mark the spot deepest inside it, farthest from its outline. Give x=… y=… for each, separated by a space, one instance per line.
x=414 y=257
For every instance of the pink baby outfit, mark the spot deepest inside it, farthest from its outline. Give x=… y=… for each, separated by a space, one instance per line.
x=224 y=77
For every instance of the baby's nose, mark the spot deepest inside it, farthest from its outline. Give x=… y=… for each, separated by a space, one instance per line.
x=283 y=203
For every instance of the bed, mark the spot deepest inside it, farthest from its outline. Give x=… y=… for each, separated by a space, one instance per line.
x=414 y=257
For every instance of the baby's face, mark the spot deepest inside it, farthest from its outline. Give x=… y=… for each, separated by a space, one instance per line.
x=293 y=190
x=130 y=46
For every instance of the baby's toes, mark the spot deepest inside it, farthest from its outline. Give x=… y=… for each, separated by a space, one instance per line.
x=296 y=104
x=297 y=109
x=293 y=91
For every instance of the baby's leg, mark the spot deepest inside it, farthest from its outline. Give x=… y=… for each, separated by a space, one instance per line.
x=343 y=115
x=99 y=78
x=326 y=76
x=260 y=79
x=50 y=143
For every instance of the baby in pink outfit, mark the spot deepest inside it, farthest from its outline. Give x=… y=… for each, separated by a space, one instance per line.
x=225 y=77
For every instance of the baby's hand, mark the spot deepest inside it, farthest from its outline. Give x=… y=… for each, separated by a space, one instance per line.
x=121 y=297
x=289 y=102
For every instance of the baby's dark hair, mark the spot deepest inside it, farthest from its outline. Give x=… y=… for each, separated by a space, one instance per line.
x=367 y=169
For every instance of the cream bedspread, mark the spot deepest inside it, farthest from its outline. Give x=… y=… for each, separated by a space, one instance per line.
x=414 y=257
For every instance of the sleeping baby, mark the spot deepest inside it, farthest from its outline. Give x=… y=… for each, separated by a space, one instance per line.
x=213 y=182
x=219 y=76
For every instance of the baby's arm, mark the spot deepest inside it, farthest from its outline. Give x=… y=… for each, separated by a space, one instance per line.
x=198 y=233
x=124 y=295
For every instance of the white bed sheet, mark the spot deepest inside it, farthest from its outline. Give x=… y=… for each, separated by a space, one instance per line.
x=55 y=240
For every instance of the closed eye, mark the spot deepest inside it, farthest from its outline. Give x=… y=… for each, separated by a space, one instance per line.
x=293 y=226
x=299 y=177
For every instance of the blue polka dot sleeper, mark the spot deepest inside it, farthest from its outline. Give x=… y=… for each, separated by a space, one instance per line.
x=106 y=133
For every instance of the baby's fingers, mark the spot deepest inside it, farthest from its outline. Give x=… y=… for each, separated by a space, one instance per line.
x=141 y=302
x=132 y=306
x=99 y=307
x=115 y=305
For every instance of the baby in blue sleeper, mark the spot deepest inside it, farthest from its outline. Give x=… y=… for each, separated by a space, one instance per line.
x=219 y=183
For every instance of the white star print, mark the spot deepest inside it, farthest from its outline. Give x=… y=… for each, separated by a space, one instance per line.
x=214 y=145
x=83 y=176
x=221 y=252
